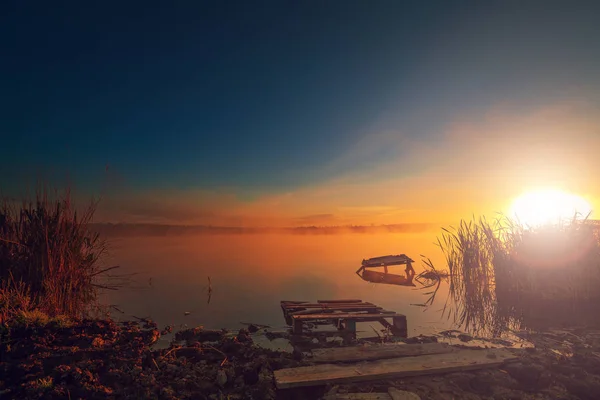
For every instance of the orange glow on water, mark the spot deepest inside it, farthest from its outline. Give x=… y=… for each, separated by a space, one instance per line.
x=251 y=274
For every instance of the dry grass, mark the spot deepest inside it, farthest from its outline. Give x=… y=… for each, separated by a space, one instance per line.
x=49 y=259
x=502 y=274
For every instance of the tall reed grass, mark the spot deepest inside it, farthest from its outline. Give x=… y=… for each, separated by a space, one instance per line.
x=49 y=258
x=504 y=275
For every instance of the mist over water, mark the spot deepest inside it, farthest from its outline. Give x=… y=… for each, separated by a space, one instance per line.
x=251 y=274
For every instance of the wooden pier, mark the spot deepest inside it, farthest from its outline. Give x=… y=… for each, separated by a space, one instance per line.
x=343 y=314
x=392 y=368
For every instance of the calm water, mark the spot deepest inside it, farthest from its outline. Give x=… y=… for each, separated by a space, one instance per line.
x=250 y=274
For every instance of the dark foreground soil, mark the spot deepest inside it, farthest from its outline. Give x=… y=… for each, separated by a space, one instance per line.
x=103 y=359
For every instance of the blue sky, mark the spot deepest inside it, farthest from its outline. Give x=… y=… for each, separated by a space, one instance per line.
x=269 y=97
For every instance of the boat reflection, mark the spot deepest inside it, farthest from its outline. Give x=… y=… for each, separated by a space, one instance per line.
x=368 y=271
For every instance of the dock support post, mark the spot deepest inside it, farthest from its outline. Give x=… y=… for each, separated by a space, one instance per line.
x=400 y=326
x=351 y=326
x=297 y=327
x=349 y=334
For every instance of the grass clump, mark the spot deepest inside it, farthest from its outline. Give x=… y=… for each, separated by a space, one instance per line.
x=503 y=274
x=49 y=258
x=45 y=383
x=32 y=318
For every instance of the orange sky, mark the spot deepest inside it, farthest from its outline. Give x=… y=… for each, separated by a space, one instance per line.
x=482 y=162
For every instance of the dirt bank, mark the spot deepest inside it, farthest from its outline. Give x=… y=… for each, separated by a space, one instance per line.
x=102 y=359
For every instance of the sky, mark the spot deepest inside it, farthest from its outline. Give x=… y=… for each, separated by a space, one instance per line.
x=293 y=113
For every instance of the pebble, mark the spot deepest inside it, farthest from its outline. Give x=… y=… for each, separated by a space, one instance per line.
x=221 y=378
x=397 y=394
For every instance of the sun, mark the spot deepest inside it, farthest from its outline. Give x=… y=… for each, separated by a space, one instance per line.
x=550 y=206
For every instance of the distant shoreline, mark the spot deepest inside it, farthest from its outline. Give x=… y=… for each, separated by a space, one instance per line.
x=149 y=229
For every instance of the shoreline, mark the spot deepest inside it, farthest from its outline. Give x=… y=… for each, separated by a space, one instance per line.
x=99 y=359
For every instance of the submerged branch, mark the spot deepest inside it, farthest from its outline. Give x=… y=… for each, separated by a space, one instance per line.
x=430 y=277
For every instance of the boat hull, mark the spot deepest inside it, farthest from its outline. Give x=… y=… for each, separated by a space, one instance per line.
x=399 y=259
x=382 y=277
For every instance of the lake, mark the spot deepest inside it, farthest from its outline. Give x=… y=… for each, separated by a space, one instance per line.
x=252 y=273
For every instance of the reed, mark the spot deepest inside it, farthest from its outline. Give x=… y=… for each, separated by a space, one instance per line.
x=49 y=258
x=504 y=275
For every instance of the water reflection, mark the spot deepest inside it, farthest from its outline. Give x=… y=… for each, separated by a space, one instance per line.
x=251 y=274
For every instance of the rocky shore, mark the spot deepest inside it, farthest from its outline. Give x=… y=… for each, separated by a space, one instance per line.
x=100 y=359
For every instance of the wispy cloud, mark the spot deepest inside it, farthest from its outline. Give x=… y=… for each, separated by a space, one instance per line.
x=476 y=164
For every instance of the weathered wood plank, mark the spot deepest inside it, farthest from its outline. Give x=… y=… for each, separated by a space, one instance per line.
x=397 y=394
x=377 y=352
x=393 y=394
x=393 y=368
x=362 y=396
x=399 y=326
x=331 y=310
x=340 y=301
x=329 y=306
x=334 y=395
x=357 y=316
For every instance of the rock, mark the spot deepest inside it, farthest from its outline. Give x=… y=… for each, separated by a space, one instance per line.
x=335 y=339
x=274 y=335
x=167 y=391
x=297 y=355
x=461 y=379
x=331 y=393
x=421 y=339
x=481 y=385
x=192 y=353
x=530 y=376
x=583 y=389
x=199 y=334
x=243 y=337
x=221 y=378
x=397 y=394
x=450 y=333
x=151 y=337
x=239 y=381
x=171 y=368
x=205 y=386
x=465 y=338
x=251 y=376
x=253 y=328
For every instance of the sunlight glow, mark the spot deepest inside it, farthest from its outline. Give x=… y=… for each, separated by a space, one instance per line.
x=548 y=206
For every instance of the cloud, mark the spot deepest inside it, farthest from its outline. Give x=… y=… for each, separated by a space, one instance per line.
x=473 y=165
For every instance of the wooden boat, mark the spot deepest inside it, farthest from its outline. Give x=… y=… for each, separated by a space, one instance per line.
x=368 y=273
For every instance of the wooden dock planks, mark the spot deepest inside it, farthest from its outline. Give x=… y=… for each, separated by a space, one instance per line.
x=357 y=316
x=361 y=396
x=340 y=301
x=392 y=394
x=462 y=360
x=377 y=352
x=343 y=314
x=332 y=311
x=333 y=306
